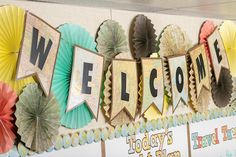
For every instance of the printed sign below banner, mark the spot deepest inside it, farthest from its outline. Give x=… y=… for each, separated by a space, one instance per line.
x=217 y=138
x=171 y=142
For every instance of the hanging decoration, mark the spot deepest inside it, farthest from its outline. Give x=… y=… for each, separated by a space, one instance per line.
x=222 y=91
x=117 y=115
x=172 y=41
x=107 y=92
x=71 y=35
x=37 y=118
x=152 y=112
x=142 y=37
x=206 y=30
x=228 y=34
x=38 y=51
x=221 y=79
x=12 y=26
x=200 y=78
x=111 y=41
x=69 y=64
x=8 y=99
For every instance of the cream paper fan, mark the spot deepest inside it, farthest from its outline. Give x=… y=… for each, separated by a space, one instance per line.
x=140 y=90
x=167 y=81
x=173 y=41
x=107 y=93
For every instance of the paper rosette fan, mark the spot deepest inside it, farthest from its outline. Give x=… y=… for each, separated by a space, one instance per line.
x=12 y=26
x=142 y=37
x=206 y=30
x=172 y=41
x=70 y=35
x=111 y=40
x=233 y=96
x=37 y=118
x=222 y=91
x=228 y=35
x=106 y=105
x=7 y=101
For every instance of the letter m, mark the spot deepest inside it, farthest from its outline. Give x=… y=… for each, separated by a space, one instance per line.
x=200 y=67
x=37 y=49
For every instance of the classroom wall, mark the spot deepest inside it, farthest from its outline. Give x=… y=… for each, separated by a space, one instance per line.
x=90 y=18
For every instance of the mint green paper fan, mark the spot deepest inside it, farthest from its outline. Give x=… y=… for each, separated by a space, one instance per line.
x=70 y=35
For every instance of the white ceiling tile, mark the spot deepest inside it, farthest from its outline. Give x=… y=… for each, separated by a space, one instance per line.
x=207 y=8
x=226 y=10
x=142 y=5
x=176 y=4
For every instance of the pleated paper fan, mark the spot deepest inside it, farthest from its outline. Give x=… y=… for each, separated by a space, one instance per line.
x=111 y=40
x=142 y=37
x=228 y=35
x=12 y=26
x=70 y=35
x=206 y=30
x=173 y=41
x=37 y=118
x=222 y=91
x=7 y=102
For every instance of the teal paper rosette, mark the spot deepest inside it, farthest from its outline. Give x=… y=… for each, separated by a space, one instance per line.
x=71 y=35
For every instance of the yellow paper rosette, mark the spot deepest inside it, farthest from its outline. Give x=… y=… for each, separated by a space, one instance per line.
x=11 y=31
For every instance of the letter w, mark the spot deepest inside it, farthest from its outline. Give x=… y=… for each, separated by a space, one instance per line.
x=38 y=49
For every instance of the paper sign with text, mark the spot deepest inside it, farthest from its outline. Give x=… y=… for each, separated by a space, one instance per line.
x=153 y=84
x=124 y=87
x=179 y=80
x=86 y=80
x=38 y=52
x=161 y=143
x=217 y=53
x=217 y=138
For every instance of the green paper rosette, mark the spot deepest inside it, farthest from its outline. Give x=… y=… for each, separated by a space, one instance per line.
x=37 y=118
x=111 y=41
